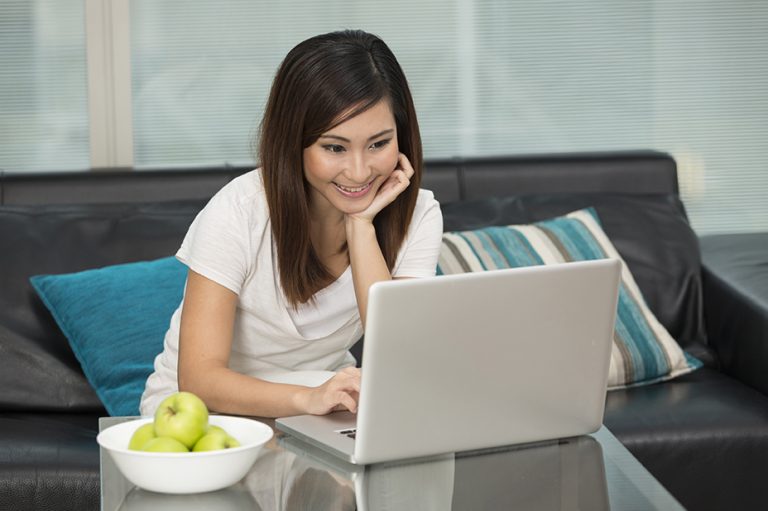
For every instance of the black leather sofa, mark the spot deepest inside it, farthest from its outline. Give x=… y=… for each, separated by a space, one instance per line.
x=703 y=435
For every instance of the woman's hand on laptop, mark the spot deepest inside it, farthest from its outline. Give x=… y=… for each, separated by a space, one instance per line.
x=340 y=392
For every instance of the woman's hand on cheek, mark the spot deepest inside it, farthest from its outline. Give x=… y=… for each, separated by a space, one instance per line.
x=393 y=186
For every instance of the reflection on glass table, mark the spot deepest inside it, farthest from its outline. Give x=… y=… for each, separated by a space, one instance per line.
x=234 y=498
x=550 y=476
x=592 y=472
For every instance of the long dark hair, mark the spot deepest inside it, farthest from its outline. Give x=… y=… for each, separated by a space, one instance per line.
x=322 y=82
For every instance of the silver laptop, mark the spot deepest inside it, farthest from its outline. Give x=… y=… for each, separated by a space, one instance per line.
x=477 y=360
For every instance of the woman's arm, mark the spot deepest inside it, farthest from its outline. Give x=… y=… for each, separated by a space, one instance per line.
x=365 y=257
x=205 y=342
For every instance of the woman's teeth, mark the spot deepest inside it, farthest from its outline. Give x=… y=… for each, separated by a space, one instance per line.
x=355 y=190
x=348 y=189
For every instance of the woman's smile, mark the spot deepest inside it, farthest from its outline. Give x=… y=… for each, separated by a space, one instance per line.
x=354 y=192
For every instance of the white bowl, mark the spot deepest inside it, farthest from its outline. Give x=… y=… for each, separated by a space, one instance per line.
x=187 y=472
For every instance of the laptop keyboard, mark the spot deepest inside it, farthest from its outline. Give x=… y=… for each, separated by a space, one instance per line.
x=348 y=432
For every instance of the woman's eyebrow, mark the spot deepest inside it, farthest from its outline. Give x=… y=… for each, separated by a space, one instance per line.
x=344 y=139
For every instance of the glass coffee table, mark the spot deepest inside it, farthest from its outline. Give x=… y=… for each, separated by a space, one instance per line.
x=593 y=472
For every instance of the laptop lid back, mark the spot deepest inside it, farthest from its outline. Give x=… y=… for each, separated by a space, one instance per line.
x=478 y=360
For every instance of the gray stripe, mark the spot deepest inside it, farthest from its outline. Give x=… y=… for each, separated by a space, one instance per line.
x=626 y=357
x=557 y=243
x=457 y=254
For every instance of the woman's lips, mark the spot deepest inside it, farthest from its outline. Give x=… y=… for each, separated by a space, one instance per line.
x=353 y=192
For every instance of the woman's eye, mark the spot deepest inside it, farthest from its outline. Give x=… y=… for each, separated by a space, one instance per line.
x=380 y=143
x=334 y=148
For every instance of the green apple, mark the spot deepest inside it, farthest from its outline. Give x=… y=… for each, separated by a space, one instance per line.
x=182 y=416
x=141 y=436
x=212 y=428
x=215 y=438
x=164 y=444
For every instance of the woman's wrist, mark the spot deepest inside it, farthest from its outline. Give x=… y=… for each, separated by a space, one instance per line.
x=356 y=227
x=300 y=400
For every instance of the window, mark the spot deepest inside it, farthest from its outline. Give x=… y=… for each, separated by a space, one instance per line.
x=43 y=86
x=489 y=77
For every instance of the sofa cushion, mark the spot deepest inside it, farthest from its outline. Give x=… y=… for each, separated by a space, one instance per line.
x=115 y=319
x=643 y=351
x=38 y=370
x=651 y=232
x=49 y=461
x=704 y=436
x=735 y=279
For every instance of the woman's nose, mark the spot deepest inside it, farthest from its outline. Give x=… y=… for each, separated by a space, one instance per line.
x=359 y=171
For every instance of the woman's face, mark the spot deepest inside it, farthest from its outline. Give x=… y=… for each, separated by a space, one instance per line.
x=346 y=166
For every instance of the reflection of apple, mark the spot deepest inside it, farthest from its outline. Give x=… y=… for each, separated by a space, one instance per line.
x=182 y=416
x=214 y=439
x=141 y=436
x=164 y=444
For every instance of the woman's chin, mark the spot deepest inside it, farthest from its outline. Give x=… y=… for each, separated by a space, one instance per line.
x=353 y=209
x=350 y=206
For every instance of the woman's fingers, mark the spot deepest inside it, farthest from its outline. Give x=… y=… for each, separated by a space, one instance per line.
x=390 y=189
x=405 y=164
x=348 y=402
x=341 y=392
x=349 y=381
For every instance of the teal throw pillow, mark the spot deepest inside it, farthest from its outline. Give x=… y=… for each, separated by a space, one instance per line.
x=643 y=351
x=115 y=319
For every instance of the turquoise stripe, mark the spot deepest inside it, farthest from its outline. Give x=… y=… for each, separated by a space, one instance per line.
x=576 y=238
x=506 y=247
x=528 y=255
x=514 y=246
x=693 y=362
x=648 y=358
x=490 y=247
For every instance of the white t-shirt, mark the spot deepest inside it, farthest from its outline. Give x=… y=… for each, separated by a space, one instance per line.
x=230 y=242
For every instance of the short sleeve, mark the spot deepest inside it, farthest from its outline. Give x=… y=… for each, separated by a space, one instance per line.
x=217 y=244
x=421 y=248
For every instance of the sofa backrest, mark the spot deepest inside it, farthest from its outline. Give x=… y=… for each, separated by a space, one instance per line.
x=67 y=222
x=621 y=172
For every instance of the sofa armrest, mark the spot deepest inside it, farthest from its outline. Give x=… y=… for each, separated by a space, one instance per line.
x=735 y=280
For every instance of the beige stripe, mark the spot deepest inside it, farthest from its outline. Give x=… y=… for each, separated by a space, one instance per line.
x=467 y=253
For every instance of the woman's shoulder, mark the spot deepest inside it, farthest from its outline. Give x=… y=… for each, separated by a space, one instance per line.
x=244 y=193
x=426 y=214
x=244 y=187
x=425 y=196
x=425 y=202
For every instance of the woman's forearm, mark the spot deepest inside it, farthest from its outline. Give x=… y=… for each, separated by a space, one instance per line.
x=366 y=259
x=226 y=391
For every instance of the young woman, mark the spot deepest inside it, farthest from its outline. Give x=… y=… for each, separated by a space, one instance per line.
x=281 y=259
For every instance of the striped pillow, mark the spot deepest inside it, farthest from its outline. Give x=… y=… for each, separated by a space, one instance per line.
x=643 y=351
